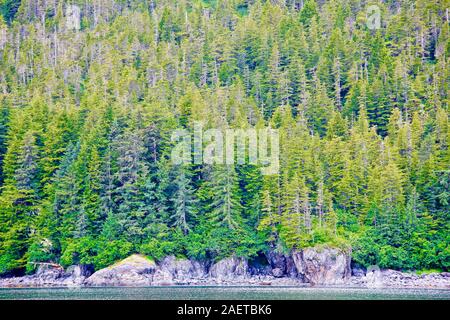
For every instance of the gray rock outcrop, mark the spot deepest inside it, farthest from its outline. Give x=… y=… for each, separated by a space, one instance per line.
x=183 y=268
x=172 y=270
x=277 y=272
x=135 y=270
x=49 y=276
x=397 y=279
x=282 y=265
x=316 y=266
x=323 y=266
x=229 y=268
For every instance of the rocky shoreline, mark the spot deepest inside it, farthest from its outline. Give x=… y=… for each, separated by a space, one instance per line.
x=309 y=267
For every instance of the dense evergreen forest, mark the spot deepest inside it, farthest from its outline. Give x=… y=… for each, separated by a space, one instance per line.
x=87 y=111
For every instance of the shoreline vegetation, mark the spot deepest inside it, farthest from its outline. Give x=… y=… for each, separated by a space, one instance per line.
x=92 y=91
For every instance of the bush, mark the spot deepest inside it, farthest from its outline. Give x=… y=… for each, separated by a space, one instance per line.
x=406 y=248
x=8 y=263
x=79 y=251
x=97 y=252
x=39 y=252
x=109 y=252
x=158 y=249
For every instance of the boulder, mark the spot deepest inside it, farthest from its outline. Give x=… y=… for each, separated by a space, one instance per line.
x=358 y=272
x=282 y=262
x=76 y=275
x=182 y=269
x=48 y=275
x=276 y=260
x=49 y=272
x=323 y=266
x=230 y=268
x=392 y=278
x=373 y=278
x=135 y=270
x=78 y=271
x=291 y=269
x=162 y=277
x=277 y=272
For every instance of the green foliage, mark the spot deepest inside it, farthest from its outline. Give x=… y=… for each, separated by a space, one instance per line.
x=109 y=252
x=39 y=252
x=158 y=249
x=9 y=8
x=402 y=246
x=80 y=251
x=4 y=120
x=86 y=122
x=99 y=253
x=308 y=11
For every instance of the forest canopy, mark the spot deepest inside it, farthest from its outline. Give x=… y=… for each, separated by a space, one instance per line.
x=87 y=109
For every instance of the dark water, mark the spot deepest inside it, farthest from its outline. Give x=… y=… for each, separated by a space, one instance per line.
x=222 y=293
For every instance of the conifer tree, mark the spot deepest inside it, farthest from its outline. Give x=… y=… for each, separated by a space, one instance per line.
x=225 y=207
x=184 y=202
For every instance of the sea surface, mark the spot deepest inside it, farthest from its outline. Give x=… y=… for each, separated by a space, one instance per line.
x=222 y=293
